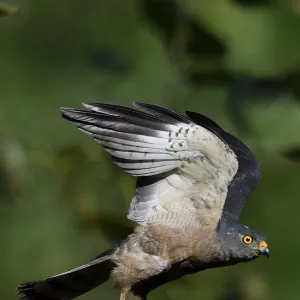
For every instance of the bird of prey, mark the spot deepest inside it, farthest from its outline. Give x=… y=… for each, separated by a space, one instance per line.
x=193 y=179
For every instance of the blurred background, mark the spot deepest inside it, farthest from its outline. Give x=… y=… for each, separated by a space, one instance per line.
x=62 y=201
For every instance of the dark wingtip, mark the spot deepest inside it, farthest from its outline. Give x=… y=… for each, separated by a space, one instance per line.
x=70 y=114
x=65 y=111
x=27 y=291
x=24 y=290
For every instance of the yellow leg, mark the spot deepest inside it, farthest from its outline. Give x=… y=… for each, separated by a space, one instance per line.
x=123 y=296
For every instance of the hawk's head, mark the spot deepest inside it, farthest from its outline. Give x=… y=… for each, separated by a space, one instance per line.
x=242 y=243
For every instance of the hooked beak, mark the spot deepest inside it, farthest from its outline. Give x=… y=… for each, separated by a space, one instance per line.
x=264 y=250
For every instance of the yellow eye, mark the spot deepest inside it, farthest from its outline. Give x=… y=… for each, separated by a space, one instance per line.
x=247 y=239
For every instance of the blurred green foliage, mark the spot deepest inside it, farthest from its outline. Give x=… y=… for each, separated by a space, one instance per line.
x=62 y=201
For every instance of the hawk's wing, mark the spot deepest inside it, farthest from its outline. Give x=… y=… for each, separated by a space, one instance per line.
x=185 y=166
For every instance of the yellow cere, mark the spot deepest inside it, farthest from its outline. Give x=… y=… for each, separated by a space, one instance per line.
x=263 y=245
x=247 y=239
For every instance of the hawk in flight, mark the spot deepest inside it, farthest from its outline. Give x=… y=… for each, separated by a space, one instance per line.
x=193 y=179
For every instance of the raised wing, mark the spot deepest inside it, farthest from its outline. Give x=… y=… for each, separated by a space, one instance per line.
x=183 y=169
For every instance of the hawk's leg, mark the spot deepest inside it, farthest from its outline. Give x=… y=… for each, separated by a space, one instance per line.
x=123 y=296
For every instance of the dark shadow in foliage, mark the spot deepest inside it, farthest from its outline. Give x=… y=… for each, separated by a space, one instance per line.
x=232 y=292
x=252 y=3
x=4 y=184
x=8 y=10
x=164 y=14
x=109 y=60
x=180 y=30
x=260 y=88
x=292 y=153
x=256 y=88
x=292 y=80
x=243 y=89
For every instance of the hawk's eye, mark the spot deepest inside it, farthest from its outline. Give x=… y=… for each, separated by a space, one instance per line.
x=247 y=239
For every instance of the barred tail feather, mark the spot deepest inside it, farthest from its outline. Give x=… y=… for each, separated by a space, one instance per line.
x=69 y=285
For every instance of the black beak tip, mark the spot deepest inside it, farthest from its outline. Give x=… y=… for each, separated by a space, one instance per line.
x=266 y=252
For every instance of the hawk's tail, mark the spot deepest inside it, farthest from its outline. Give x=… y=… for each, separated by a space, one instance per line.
x=71 y=284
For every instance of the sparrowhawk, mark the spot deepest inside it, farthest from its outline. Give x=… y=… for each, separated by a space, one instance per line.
x=193 y=179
